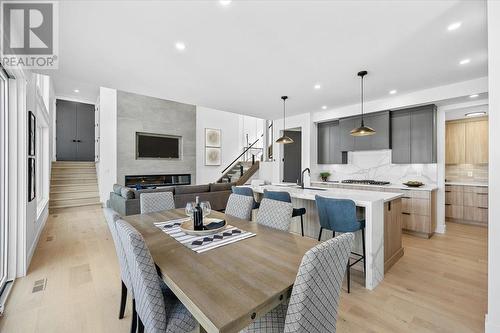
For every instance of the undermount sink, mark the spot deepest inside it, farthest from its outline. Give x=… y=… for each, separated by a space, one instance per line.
x=315 y=188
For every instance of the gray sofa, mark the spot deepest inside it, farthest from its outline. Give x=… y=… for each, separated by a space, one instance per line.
x=126 y=201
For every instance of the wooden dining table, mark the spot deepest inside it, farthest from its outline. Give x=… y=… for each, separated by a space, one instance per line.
x=228 y=287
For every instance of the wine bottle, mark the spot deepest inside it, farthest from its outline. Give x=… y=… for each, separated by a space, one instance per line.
x=197 y=216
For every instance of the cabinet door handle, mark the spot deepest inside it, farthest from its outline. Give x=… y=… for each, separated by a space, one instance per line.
x=406 y=213
x=447 y=204
x=482 y=207
x=406 y=197
x=482 y=193
x=448 y=191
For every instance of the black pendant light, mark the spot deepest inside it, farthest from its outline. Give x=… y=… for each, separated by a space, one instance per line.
x=362 y=130
x=284 y=139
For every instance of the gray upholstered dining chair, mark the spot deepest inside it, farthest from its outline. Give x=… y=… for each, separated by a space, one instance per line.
x=275 y=214
x=111 y=218
x=240 y=206
x=156 y=202
x=313 y=305
x=158 y=310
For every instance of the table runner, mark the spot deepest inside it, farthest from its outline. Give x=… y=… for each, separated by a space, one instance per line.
x=201 y=244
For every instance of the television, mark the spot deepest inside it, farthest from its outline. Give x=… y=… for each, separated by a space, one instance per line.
x=157 y=146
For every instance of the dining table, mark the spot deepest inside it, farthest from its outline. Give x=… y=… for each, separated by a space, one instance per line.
x=228 y=287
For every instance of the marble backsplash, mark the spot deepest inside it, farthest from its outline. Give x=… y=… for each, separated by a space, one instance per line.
x=377 y=165
x=475 y=173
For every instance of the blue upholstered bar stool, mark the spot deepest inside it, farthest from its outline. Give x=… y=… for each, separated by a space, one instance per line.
x=339 y=215
x=285 y=197
x=246 y=191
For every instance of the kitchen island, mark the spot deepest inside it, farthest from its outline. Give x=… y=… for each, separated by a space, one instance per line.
x=381 y=210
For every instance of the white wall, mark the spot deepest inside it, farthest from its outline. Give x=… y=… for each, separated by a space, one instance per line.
x=106 y=166
x=493 y=316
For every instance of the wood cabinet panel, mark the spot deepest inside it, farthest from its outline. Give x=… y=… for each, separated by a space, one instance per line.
x=454 y=211
x=455 y=143
x=418 y=223
x=393 y=247
x=476 y=140
x=454 y=198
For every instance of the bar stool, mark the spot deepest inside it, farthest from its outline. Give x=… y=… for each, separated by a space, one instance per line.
x=285 y=197
x=339 y=215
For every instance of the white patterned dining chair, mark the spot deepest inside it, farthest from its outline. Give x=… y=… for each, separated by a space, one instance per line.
x=313 y=305
x=275 y=214
x=240 y=206
x=156 y=202
x=126 y=284
x=158 y=309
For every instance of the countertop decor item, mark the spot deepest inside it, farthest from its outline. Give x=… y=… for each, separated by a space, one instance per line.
x=210 y=226
x=324 y=175
x=413 y=183
x=362 y=130
x=284 y=139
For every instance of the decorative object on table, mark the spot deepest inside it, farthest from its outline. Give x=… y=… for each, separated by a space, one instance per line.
x=201 y=244
x=197 y=216
x=284 y=139
x=362 y=130
x=31 y=179
x=212 y=137
x=324 y=175
x=413 y=183
x=210 y=226
x=212 y=156
x=31 y=133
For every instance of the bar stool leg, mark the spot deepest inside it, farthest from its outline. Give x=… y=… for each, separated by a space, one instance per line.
x=133 y=327
x=123 y=301
x=348 y=278
x=140 y=326
x=302 y=225
x=364 y=254
x=320 y=231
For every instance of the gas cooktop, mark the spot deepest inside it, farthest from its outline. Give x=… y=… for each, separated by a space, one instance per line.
x=365 y=182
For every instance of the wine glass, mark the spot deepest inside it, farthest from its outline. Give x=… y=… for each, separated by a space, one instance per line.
x=189 y=209
x=205 y=206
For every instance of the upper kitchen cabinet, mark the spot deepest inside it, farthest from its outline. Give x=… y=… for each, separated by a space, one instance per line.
x=413 y=135
x=346 y=139
x=379 y=121
x=467 y=141
x=329 y=143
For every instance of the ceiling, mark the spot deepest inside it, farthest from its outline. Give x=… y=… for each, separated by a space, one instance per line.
x=243 y=57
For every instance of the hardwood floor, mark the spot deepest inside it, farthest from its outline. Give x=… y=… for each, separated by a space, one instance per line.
x=440 y=285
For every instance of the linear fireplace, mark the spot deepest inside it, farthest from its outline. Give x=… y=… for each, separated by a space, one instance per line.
x=157 y=180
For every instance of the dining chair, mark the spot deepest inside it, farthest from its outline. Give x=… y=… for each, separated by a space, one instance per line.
x=111 y=218
x=158 y=310
x=314 y=302
x=285 y=197
x=275 y=214
x=240 y=206
x=245 y=190
x=339 y=215
x=156 y=202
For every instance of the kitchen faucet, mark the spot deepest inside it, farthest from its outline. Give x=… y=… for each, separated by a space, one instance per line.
x=302 y=176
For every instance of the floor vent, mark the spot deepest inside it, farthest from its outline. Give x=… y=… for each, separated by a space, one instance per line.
x=39 y=285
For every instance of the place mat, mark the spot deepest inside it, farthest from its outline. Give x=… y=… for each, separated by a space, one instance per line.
x=201 y=244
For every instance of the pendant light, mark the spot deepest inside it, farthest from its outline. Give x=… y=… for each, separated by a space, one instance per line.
x=284 y=139
x=362 y=130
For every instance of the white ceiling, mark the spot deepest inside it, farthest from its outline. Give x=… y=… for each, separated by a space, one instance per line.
x=243 y=57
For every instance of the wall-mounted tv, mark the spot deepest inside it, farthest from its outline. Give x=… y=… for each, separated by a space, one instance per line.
x=157 y=146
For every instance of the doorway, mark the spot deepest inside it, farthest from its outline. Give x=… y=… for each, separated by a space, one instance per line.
x=292 y=156
x=75 y=131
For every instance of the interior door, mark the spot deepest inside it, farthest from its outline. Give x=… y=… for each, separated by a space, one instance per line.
x=85 y=128
x=292 y=157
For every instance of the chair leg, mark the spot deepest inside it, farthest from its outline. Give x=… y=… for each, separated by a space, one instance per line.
x=133 y=327
x=348 y=278
x=123 y=301
x=140 y=326
x=302 y=225
x=364 y=254
x=320 y=231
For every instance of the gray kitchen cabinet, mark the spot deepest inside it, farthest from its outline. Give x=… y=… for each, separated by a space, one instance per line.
x=413 y=135
x=346 y=139
x=380 y=122
x=329 y=143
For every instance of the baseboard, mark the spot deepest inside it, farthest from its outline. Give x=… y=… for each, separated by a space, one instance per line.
x=441 y=229
x=41 y=220
x=490 y=327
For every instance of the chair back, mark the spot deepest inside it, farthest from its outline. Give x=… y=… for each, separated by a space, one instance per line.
x=242 y=190
x=275 y=214
x=337 y=214
x=314 y=303
x=150 y=304
x=240 y=206
x=156 y=202
x=111 y=218
x=277 y=195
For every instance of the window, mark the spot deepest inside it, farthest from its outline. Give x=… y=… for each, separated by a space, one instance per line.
x=3 y=177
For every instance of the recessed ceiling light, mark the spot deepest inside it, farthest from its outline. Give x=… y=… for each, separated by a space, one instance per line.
x=180 y=46
x=392 y=92
x=225 y=2
x=76 y=90
x=474 y=96
x=317 y=86
x=454 y=26
x=475 y=114
x=464 y=61
x=324 y=107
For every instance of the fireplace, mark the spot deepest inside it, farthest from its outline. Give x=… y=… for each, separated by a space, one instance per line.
x=157 y=180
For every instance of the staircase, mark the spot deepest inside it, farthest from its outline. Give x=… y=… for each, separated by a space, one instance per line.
x=240 y=173
x=73 y=184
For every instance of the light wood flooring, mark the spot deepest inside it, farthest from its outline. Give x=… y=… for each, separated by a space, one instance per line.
x=440 y=285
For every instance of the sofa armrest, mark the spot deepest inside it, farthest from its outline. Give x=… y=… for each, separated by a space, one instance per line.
x=124 y=206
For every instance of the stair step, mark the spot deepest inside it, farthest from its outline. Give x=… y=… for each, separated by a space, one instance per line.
x=73 y=181
x=58 y=170
x=73 y=189
x=73 y=163
x=61 y=209
x=54 y=196
x=74 y=175
x=58 y=203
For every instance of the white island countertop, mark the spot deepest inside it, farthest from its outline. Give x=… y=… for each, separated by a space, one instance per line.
x=360 y=197
x=425 y=187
